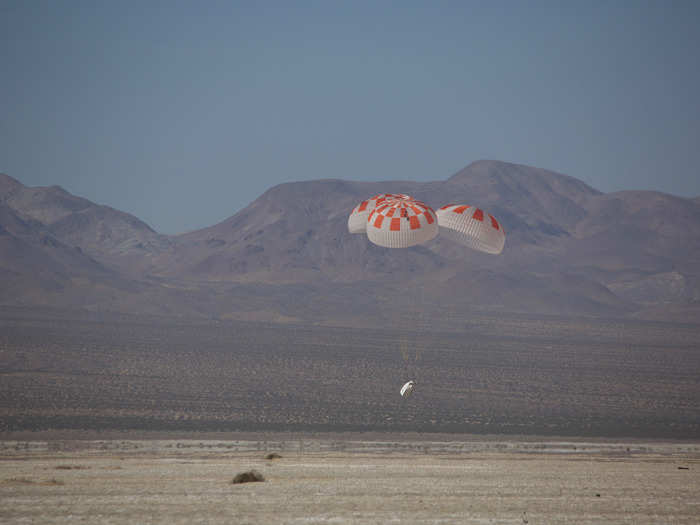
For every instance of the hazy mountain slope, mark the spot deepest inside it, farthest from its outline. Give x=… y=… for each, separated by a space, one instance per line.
x=115 y=238
x=550 y=201
x=288 y=256
x=43 y=204
x=303 y=225
x=644 y=228
x=293 y=232
x=566 y=244
x=37 y=268
x=645 y=246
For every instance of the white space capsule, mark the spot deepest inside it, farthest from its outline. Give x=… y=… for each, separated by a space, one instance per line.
x=407 y=389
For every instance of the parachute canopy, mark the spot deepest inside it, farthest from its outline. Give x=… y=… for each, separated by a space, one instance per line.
x=357 y=222
x=395 y=220
x=401 y=223
x=472 y=227
x=407 y=389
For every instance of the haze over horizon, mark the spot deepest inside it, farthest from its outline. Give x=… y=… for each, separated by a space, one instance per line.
x=182 y=114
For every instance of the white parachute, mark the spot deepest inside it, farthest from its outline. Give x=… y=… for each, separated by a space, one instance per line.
x=407 y=389
x=472 y=227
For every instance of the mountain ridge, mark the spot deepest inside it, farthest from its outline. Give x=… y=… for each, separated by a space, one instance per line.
x=570 y=249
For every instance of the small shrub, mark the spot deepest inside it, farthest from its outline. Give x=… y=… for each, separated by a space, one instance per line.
x=247 y=477
x=273 y=455
x=52 y=481
x=27 y=481
x=17 y=481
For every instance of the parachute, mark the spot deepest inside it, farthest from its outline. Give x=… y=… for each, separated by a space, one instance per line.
x=357 y=221
x=407 y=389
x=401 y=222
x=396 y=220
x=472 y=227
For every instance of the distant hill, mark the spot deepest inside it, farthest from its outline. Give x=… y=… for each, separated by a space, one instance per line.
x=287 y=256
x=115 y=238
x=37 y=268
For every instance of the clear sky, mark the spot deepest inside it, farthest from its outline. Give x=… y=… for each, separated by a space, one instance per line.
x=182 y=113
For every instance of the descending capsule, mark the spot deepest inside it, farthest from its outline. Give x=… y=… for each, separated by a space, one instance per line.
x=407 y=389
x=472 y=227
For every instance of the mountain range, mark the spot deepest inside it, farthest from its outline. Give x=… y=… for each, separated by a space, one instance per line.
x=287 y=257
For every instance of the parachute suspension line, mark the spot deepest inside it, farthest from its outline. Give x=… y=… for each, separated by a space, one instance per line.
x=417 y=327
x=411 y=346
x=422 y=325
x=400 y=411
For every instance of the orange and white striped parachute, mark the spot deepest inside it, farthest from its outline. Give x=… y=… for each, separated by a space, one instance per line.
x=357 y=221
x=401 y=222
x=472 y=227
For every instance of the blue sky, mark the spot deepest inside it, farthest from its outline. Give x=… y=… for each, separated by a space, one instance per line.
x=182 y=113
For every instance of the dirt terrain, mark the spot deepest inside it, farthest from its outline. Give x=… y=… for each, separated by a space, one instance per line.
x=317 y=481
x=505 y=375
x=517 y=419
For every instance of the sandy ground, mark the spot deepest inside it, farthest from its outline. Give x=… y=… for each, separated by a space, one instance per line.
x=188 y=482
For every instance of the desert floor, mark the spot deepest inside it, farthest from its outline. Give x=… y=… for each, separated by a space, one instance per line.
x=340 y=481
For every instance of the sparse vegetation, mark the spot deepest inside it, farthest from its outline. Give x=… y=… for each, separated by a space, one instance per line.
x=248 y=477
x=475 y=484
x=17 y=481
x=27 y=481
x=509 y=375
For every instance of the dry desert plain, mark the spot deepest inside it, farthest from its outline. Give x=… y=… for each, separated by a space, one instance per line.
x=546 y=420
x=514 y=375
x=335 y=480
